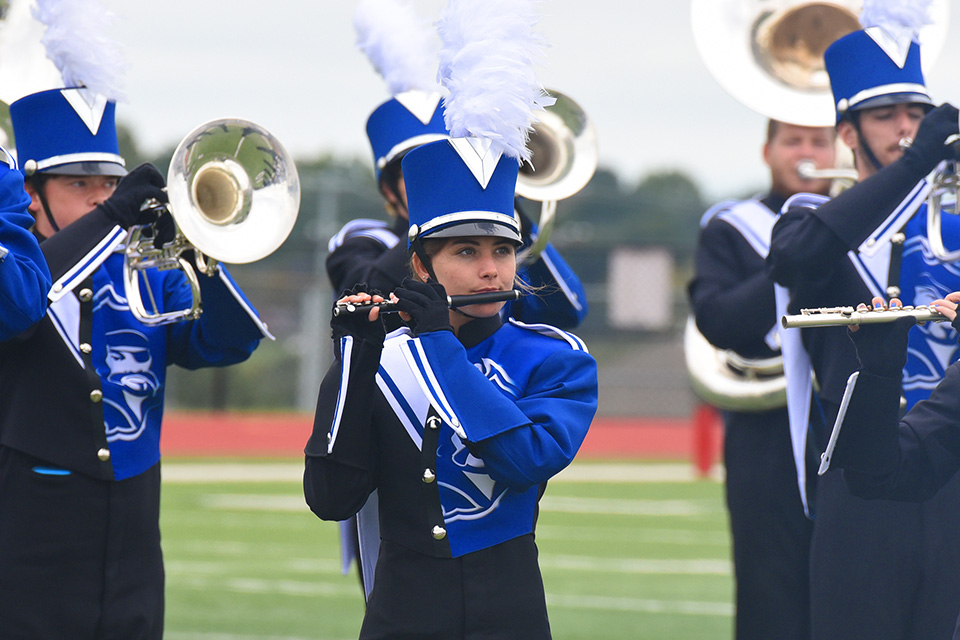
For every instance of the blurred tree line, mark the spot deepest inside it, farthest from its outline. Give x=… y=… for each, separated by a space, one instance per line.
x=289 y=288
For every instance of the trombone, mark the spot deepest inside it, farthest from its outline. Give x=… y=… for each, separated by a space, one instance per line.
x=234 y=197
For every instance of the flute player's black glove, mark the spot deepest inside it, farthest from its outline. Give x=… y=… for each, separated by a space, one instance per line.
x=882 y=347
x=358 y=325
x=426 y=302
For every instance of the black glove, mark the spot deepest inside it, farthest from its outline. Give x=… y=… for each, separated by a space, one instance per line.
x=426 y=302
x=882 y=347
x=165 y=230
x=358 y=325
x=138 y=186
x=930 y=147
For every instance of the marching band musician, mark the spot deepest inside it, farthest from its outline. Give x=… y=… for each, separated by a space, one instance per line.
x=771 y=534
x=459 y=419
x=80 y=549
x=24 y=276
x=375 y=252
x=879 y=569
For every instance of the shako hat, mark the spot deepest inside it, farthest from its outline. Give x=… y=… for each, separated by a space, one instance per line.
x=880 y=64
x=400 y=46
x=405 y=121
x=72 y=130
x=465 y=186
x=67 y=131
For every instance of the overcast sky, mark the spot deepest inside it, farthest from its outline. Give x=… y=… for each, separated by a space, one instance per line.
x=292 y=66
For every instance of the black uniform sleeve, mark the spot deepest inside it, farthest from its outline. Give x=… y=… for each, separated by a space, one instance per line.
x=808 y=243
x=366 y=260
x=69 y=245
x=340 y=454
x=731 y=295
x=911 y=460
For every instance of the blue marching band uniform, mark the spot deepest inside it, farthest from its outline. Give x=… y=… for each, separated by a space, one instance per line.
x=879 y=569
x=24 y=276
x=458 y=434
x=81 y=411
x=771 y=534
x=375 y=252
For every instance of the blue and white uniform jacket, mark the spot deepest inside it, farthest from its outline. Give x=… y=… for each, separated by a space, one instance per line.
x=457 y=435
x=370 y=251
x=24 y=277
x=83 y=388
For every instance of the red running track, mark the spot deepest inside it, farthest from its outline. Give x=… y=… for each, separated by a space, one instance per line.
x=268 y=434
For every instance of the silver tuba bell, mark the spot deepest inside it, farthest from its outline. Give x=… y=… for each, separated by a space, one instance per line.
x=768 y=54
x=564 y=155
x=729 y=381
x=234 y=197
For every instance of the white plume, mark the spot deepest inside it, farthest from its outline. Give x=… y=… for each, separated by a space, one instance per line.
x=487 y=58
x=896 y=16
x=76 y=42
x=399 y=44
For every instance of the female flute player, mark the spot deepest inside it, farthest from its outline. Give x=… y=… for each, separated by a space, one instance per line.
x=458 y=420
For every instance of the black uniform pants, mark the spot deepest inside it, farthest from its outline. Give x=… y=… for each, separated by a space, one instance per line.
x=492 y=594
x=79 y=557
x=884 y=570
x=771 y=534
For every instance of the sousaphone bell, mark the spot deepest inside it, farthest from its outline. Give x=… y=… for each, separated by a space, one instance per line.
x=234 y=197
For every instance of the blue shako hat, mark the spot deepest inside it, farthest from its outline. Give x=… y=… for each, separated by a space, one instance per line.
x=403 y=122
x=66 y=131
x=869 y=69
x=459 y=187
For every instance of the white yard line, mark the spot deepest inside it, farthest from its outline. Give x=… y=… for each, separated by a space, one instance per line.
x=640 y=472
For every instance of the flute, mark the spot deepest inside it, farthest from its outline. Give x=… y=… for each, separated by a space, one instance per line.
x=846 y=316
x=452 y=301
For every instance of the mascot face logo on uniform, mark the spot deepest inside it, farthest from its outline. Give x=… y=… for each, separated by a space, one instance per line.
x=129 y=362
x=471 y=493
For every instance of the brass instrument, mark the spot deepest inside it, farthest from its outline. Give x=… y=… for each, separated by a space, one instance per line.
x=234 y=197
x=943 y=197
x=729 y=381
x=564 y=157
x=849 y=316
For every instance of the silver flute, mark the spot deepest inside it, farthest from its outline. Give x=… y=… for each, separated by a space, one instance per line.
x=846 y=316
x=452 y=301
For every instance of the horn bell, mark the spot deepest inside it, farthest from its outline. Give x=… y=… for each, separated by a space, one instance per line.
x=564 y=153
x=234 y=190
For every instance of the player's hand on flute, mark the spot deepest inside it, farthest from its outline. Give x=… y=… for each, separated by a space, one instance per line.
x=948 y=307
x=363 y=326
x=424 y=305
x=882 y=348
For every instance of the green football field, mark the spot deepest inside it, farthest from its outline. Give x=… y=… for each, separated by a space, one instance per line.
x=628 y=550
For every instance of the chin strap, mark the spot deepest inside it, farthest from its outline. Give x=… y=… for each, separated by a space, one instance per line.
x=867 y=151
x=46 y=209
